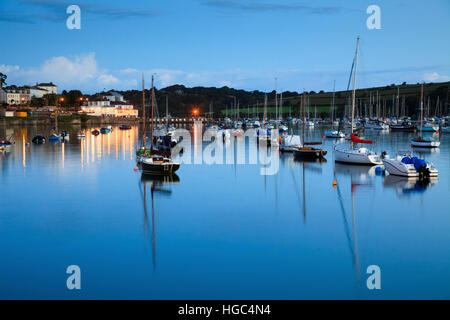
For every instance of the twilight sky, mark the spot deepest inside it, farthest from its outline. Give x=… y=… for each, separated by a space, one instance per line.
x=244 y=44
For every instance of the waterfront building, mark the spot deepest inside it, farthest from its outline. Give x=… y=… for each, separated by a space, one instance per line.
x=109 y=108
x=50 y=87
x=38 y=92
x=17 y=95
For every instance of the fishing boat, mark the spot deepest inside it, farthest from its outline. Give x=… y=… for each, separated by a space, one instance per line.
x=420 y=141
x=405 y=164
x=351 y=154
x=305 y=151
x=38 y=139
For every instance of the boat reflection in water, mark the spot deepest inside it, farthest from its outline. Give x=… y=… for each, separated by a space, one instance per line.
x=156 y=184
x=409 y=185
x=360 y=177
x=362 y=172
x=314 y=165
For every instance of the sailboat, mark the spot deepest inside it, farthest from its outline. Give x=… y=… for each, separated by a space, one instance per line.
x=264 y=130
x=304 y=151
x=155 y=161
x=349 y=154
x=334 y=134
x=420 y=141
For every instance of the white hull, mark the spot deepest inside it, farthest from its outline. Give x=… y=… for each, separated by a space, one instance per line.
x=361 y=156
x=425 y=144
x=398 y=168
x=334 y=134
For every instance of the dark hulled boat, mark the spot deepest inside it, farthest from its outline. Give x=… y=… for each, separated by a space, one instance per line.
x=309 y=153
x=305 y=151
x=157 y=164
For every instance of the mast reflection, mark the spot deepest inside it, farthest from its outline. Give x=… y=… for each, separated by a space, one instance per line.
x=158 y=184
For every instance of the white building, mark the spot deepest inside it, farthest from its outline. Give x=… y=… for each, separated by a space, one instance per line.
x=50 y=87
x=38 y=92
x=109 y=108
x=17 y=95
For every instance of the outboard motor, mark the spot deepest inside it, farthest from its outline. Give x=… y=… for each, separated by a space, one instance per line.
x=421 y=167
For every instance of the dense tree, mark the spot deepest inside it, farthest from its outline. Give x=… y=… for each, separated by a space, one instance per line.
x=3 y=78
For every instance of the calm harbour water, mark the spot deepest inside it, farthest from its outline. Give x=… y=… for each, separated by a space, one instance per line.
x=216 y=231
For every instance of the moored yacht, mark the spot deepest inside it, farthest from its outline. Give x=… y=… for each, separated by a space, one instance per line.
x=405 y=164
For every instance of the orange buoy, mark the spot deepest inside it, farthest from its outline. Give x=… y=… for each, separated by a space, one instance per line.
x=135 y=169
x=334 y=184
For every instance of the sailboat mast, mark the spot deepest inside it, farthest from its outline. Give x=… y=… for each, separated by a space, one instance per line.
x=153 y=100
x=265 y=110
x=144 y=126
x=304 y=118
x=332 y=107
x=421 y=110
x=354 y=83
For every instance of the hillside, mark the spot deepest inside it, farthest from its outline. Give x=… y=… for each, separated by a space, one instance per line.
x=182 y=100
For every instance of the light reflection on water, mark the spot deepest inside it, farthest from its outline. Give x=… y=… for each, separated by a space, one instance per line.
x=221 y=231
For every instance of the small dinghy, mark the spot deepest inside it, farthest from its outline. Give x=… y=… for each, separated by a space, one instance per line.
x=5 y=143
x=105 y=130
x=38 y=140
x=95 y=132
x=81 y=135
x=54 y=137
x=335 y=134
x=124 y=127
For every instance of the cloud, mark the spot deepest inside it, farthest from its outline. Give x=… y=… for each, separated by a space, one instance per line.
x=77 y=72
x=434 y=76
x=107 y=80
x=55 y=10
x=270 y=6
x=6 y=69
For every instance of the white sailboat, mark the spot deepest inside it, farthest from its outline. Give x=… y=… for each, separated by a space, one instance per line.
x=349 y=154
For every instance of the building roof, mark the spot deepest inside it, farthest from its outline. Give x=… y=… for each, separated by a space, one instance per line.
x=45 y=84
